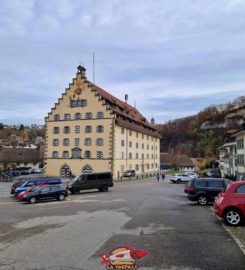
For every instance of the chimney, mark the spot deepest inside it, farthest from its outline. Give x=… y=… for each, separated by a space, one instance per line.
x=81 y=70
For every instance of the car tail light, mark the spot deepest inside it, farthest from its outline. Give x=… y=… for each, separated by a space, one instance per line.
x=191 y=189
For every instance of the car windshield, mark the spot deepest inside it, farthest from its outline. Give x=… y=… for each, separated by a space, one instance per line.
x=226 y=188
x=36 y=189
x=75 y=179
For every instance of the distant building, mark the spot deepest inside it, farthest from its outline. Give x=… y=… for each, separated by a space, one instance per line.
x=240 y=147
x=227 y=160
x=175 y=161
x=89 y=130
x=19 y=157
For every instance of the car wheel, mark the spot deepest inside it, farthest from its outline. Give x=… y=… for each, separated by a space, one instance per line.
x=100 y=189
x=232 y=217
x=32 y=200
x=202 y=200
x=105 y=188
x=61 y=197
x=179 y=181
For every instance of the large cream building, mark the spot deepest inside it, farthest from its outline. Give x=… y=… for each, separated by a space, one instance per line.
x=90 y=130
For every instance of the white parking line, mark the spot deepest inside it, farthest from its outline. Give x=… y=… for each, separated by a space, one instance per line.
x=236 y=239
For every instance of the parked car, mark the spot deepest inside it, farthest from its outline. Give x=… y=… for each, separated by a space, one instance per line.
x=37 y=182
x=100 y=181
x=181 y=177
x=230 y=204
x=18 y=182
x=13 y=173
x=129 y=173
x=32 y=189
x=204 y=190
x=46 y=193
x=194 y=175
x=35 y=171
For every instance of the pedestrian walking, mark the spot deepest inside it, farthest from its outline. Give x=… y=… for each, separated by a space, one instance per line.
x=158 y=177
x=163 y=176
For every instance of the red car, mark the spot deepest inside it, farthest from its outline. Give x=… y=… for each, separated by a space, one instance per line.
x=230 y=204
x=34 y=188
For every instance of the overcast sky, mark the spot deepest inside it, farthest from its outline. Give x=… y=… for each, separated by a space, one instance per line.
x=172 y=58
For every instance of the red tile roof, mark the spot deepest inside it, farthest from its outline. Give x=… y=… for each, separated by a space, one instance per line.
x=127 y=116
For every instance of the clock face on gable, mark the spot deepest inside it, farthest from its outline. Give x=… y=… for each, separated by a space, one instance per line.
x=78 y=91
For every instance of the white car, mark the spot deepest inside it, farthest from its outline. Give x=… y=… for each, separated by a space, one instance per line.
x=181 y=177
x=192 y=174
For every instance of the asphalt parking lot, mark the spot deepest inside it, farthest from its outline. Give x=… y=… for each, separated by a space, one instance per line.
x=143 y=214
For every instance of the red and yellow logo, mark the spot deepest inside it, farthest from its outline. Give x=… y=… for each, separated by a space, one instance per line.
x=122 y=258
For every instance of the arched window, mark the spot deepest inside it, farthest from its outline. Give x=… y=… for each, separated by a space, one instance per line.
x=56 y=130
x=67 y=116
x=65 y=171
x=100 y=129
x=76 y=152
x=66 y=142
x=55 y=154
x=78 y=116
x=88 y=129
x=88 y=115
x=87 y=169
x=87 y=141
x=67 y=130
x=87 y=154
x=99 y=142
x=100 y=115
x=65 y=154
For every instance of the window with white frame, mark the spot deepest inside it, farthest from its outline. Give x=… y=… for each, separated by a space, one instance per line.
x=99 y=142
x=88 y=116
x=137 y=167
x=130 y=144
x=55 y=154
x=240 y=144
x=66 y=142
x=137 y=155
x=82 y=103
x=55 y=142
x=76 y=152
x=122 y=142
x=87 y=154
x=122 y=155
x=137 y=145
x=87 y=141
x=56 y=117
x=99 y=154
x=77 y=141
x=66 y=130
x=130 y=155
x=77 y=116
x=100 y=129
x=65 y=154
x=88 y=129
x=67 y=116
x=100 y=115
x=56 y=130
x=77 y=129
x=122 y=168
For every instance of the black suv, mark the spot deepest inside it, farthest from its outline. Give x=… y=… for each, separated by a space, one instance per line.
x=204 y=190
x=100 y=181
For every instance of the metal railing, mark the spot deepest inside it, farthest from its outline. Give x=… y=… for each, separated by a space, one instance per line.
x=5 y=178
